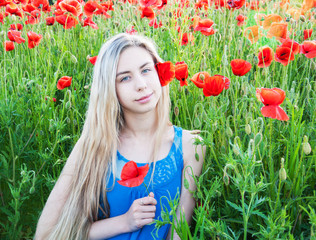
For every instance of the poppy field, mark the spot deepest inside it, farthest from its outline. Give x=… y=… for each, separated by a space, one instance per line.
x=245 y=79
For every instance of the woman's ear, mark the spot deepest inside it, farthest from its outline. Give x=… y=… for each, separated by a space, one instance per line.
x=166 y=72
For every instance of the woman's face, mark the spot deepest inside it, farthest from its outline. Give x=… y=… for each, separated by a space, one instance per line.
x=137 y=83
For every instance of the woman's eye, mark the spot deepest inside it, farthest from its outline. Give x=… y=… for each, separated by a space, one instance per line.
x=146 y=70
x=124 y=79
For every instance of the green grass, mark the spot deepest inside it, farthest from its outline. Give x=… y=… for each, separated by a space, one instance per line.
x=242 y=194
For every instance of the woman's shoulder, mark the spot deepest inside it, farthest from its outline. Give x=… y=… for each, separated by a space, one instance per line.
x=192 y=147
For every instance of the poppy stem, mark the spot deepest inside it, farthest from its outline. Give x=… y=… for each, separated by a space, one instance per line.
x=146 y=188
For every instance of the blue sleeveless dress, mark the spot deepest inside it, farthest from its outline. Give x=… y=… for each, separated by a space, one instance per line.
x=166 y=185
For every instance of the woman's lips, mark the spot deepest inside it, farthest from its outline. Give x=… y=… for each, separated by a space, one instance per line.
x=144 y=99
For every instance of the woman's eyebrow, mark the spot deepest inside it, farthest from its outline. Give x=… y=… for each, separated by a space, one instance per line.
x=120 y=73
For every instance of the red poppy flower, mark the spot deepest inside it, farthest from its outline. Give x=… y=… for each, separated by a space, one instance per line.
x=205 y=27
x=88 y=22
x=93 y=59
x=1 y=18
x=214 y=85
x=90 y=7
x=67 y=21
x=43 y=4
x=199 y=79
x=17 y=26
x=265 y=57
x=15 y=36
x=14 y=10
x=291 y=44
x=153 y=23
x=241 y=20
x=308 y=48
x=284 y=55
x=307 y=33
x=181 y=73
x=33 y=39
x=148 y=13
x=240 y=67
x=132 y=175
x=8 y=45
x=50 y=21
x=166 y=72
x=148 y=3
x=278 y=30
x=186 y=38
x=132 y=31
x=72 y=6
x=236 y=3
x=64 y=82
x=272 y=98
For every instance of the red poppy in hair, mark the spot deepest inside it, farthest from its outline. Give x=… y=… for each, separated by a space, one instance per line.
x=214 y=85
x=8 y=45
x=272 y=98
x=17 y=26
x=50 y=21
x=236 y=3
x=166 y=72
x=92 y=59
x=15 y=36
x=181 y=73
x=132 y=175
x=240 y=67
x=308 y=48
x=284 y=55
x=291 y=44
x=64 y=82
x=265 y=56
x=33 y=39
x=199 y=79
x=307 y=33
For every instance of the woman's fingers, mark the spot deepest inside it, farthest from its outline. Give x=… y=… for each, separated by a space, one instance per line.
x=147 y=201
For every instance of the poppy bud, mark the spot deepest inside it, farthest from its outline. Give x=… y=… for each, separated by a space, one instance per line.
x=202 y=77
x=32 y=190
x=306 y=146
x=258 y=138
x=226 y=178
x=308 y=87
x=248 y=129
x=236 y=149
x=176 y=111
x=229 y=132
x=68 y=105
x=302 y=18
x=282 y=172
x=73 y=59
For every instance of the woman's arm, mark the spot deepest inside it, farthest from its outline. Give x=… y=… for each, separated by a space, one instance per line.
x=187 y=202
x=57 y=197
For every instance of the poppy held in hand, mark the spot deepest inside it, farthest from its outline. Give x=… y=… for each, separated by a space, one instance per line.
x=240 y=67
x=181 y=73
x=272 y=98
x=64 y=82
x=166 y=72
x=133 y=176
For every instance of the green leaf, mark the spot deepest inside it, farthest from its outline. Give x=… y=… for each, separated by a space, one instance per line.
x=233 y=205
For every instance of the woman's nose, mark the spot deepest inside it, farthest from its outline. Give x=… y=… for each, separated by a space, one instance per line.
x=140 y=82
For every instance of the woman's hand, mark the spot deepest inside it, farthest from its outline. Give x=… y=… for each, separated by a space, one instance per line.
x=141 y=212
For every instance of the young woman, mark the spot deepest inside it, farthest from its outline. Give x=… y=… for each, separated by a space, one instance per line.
x=127 y=119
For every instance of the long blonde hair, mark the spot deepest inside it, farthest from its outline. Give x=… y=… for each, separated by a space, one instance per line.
x=100 y=136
